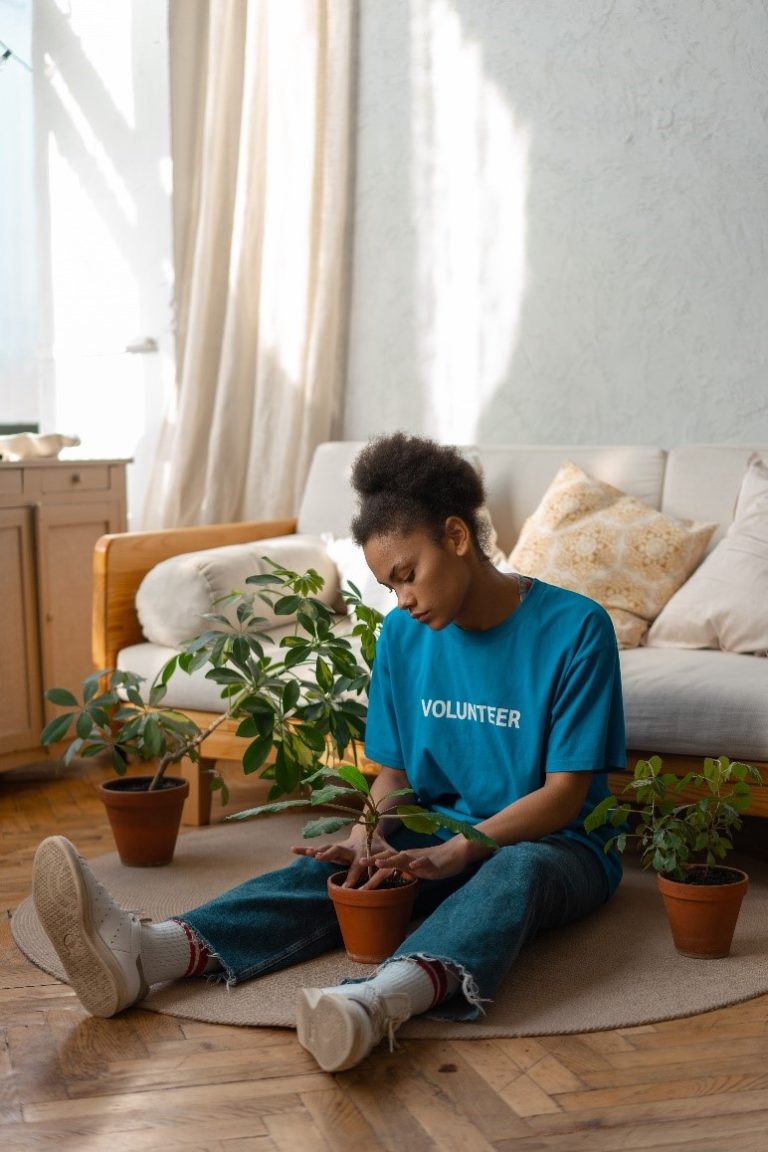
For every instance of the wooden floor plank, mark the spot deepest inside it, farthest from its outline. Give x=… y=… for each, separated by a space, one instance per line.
x=147 y=1081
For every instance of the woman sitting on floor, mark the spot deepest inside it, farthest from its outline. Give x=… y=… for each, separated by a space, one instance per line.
x=531 y=674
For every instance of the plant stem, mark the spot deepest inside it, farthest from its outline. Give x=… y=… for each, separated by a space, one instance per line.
x=187 y=747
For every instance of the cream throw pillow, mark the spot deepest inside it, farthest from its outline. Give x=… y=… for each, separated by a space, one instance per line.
x=590 y=537
x=725 y=602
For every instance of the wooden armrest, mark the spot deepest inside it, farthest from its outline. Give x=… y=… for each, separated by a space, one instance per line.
x=121 y=561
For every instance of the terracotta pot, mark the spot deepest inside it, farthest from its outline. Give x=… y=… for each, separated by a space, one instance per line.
x=373 y=921
x=145 y=824
x=703 y=917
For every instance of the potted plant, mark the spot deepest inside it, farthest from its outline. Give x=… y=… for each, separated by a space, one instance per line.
x=297 y=710
x=144 y=811
x=685 y=842
x=373 y=921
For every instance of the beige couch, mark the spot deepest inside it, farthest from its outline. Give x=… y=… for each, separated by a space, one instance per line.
x=683 y=702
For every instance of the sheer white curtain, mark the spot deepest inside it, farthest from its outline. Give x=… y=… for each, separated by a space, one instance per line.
x=261 y=111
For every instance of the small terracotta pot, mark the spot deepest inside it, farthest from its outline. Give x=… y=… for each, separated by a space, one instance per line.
x=145 y=824
x=703 y=917
x=373 y=921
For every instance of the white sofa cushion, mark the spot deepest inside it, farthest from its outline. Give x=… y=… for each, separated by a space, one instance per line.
x=191 y=690
x=696 y=703
x=174 y=596
x=724 y=604
x=591 y=537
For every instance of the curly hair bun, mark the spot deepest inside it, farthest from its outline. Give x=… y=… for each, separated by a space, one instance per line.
x=404 y=482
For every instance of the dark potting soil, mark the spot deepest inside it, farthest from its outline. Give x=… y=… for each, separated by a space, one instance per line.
x=397 y=880
x=711 y=876
x=140 y=783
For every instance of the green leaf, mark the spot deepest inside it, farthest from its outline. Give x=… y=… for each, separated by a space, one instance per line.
x=353 y=776
x=323 y=675
x=276 y=806
x=419 y=820
x=326 y=826
x=154 y=740
x=56 y=729
x=291 y=694
x=256 y=753
x=61 y=697
x=286 y=605
x=84 y=725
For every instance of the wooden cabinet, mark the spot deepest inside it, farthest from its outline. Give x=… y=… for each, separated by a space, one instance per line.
x=52 y=512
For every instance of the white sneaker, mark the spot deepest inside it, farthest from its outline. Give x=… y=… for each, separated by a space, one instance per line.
x=96 y=941
x=341 y=1028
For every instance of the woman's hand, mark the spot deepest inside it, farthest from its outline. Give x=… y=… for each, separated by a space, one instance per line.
x=437 y=862
x=351 y=854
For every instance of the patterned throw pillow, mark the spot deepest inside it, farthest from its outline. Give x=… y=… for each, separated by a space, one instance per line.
x=590 y=537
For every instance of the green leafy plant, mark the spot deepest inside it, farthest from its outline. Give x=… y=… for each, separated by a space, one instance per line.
x=346 y=791
x=673 y=833
x=299 y=710
x=305 y=707
x=113 y=717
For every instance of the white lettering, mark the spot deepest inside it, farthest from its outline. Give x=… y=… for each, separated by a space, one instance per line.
x=466 y=710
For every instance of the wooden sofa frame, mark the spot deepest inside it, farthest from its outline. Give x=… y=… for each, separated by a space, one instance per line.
x=120 y=563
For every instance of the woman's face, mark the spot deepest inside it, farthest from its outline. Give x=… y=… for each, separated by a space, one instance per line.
x=431 y=580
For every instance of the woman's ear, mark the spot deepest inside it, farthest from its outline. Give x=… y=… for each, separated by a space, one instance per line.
x=457 y=535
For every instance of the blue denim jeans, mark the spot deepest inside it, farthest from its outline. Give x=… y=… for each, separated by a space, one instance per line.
x=475 y=923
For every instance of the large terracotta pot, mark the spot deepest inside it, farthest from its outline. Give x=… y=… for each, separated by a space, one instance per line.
x=373 y=921
x=703 y=917
x=145 y=824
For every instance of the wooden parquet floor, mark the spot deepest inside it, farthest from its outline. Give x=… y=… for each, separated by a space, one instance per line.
x=145 y=1081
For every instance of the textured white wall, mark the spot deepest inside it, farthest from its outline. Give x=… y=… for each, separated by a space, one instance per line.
x=561 y=229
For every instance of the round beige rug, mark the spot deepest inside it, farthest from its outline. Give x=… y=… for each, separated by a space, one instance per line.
x=615 y=970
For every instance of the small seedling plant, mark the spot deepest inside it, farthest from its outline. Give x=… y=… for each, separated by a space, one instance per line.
x=674 y=833
x=345 y=791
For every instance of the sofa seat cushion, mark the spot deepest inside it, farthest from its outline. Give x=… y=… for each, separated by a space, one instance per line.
x=191 y=690
x=702 y=702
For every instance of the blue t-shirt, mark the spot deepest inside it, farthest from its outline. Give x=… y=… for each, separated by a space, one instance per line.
x=477 y=719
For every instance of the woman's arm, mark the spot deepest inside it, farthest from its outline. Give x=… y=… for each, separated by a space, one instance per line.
x=547 y=810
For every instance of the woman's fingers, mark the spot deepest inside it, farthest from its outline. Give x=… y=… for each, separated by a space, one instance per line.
x=329 y=852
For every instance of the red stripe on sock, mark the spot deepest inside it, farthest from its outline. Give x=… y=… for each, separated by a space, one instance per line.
x=198 y=956
x=436 y=972
x=192 y=950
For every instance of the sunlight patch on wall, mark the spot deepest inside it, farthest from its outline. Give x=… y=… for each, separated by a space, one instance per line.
x=103 y=33
x=470 y=181
x=93 y=146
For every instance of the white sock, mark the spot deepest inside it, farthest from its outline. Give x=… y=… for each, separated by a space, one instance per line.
x=425 y=982
x=169 y=951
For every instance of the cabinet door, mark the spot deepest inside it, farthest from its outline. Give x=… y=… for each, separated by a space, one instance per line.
x=20 y=707
x=66 y=535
